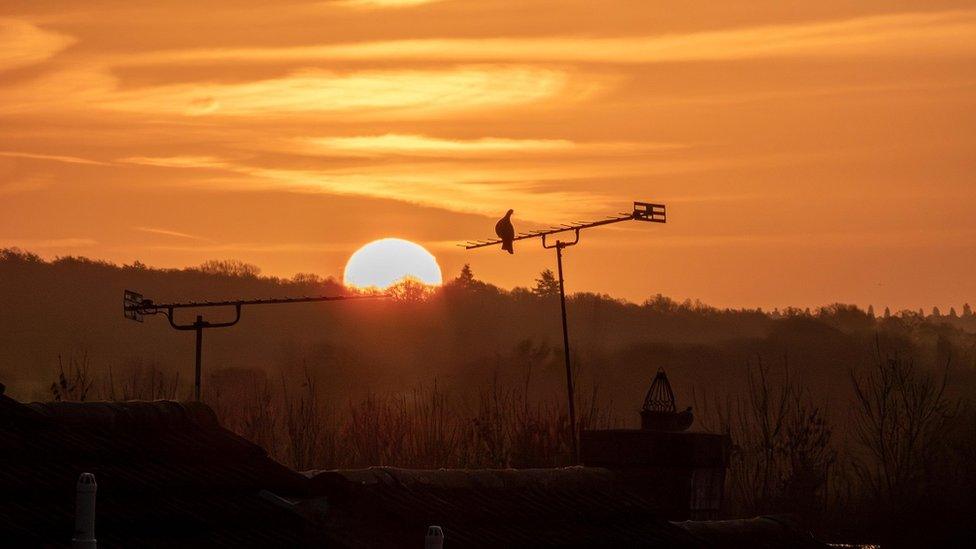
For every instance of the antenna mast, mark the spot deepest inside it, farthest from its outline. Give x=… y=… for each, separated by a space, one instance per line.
x=135 y=307
x=643 y=211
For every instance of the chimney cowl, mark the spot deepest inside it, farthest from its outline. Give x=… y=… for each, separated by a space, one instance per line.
x=659 y=412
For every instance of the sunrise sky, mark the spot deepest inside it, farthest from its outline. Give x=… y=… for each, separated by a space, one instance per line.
x=808 y=152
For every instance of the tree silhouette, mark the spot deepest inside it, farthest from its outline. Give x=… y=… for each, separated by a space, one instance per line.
x=306 y=278
x=230 y=267
x=466 y=277
x=546 y=285
x=411 y=290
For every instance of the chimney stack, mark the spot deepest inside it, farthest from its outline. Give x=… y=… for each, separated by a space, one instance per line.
x=681 y=472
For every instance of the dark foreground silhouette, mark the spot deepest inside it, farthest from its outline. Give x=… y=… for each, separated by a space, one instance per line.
x=431 y=380
x=168 y=474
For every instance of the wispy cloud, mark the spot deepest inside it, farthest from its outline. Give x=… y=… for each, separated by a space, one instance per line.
x=22 y=43
x=365 y=95
x=478 y=188
x=377 y=93
x=384 y=3
x=168 y=232
x=52 y=157
x=927 y=33
x=77 y=88
x=179 y=161
x=570 y=185
x=422 y=145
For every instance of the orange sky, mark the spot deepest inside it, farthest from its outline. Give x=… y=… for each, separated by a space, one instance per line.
x=808 y=152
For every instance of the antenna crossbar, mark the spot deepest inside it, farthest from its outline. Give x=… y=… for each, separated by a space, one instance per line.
x=135 y=306
x=148 y=306
x=643 y=211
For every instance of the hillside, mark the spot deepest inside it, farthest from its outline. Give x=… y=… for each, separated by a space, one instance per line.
x=467 y=332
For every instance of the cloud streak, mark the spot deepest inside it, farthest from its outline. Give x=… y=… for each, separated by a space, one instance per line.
x=23 y=44
x=477 y=188
x=384 y=3
x=52 y=157
x=928 y=33
x=422 y=145
x=168 y=232
x=378 y=93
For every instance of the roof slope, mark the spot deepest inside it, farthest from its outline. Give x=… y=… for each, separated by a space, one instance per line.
x=569 y=507
x=167 y=474
x=767 y=532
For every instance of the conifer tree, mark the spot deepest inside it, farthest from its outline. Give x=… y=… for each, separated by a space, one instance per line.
x=546 y=285
x=466 y=277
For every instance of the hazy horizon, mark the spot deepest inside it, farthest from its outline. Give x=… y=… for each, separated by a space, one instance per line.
x=808 y=153
x=449 y=275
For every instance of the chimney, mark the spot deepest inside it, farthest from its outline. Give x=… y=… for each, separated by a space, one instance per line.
x=84 y=537
x=682 y=472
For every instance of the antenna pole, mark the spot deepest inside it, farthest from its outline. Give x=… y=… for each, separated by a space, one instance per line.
x=196 y=373
x=135 y=306
x=569 y=369
x=643 y=211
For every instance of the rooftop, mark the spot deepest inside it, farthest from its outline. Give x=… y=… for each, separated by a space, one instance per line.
x=169 y=475
x=567 y=507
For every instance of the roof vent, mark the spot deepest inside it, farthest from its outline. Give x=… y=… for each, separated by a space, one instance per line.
x=435 y=538
x=84 y=537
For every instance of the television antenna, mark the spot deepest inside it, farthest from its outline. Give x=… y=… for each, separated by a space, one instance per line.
x=643 y=211
x=135 y=307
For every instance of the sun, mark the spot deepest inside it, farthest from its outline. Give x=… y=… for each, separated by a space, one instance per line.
x=382 y=263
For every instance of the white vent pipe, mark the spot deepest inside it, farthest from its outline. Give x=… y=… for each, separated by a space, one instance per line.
x=84 y=537
x=435 y=538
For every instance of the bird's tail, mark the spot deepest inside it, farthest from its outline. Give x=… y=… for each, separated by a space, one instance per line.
x=507 y=246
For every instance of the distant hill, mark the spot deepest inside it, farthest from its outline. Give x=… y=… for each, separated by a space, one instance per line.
x=465 y=333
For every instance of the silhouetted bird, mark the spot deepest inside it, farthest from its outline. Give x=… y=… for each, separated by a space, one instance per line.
x=506 y=231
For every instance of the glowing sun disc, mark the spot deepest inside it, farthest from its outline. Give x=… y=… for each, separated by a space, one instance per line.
x=382 y=263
